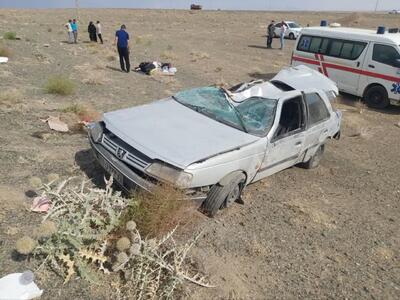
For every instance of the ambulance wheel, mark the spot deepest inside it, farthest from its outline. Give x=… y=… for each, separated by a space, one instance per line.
x=291 y=36
x=377 y=97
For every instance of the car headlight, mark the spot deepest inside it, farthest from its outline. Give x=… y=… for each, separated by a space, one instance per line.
x=170 y=174
x=96 y=131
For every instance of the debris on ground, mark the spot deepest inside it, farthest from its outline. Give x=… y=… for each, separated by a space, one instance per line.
x=3 y=60
x=150 y=68
x=40 y=204
x=19 y=286
x=56 y=124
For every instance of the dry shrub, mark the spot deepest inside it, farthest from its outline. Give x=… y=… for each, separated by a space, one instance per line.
x=10 y=96
x=59 y=85
x=218 y=69
x=145 y=40
x=84 y=112
x=168 y=55
x=159 y=212
x=360 y=106
x=10 y=35
x=199 y=55
x=5 y=51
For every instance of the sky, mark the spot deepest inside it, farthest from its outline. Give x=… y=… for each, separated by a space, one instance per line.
x=337 y=5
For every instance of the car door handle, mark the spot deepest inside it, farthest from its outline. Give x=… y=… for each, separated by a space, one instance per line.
x=298 y=144
x=371 y=66
x=325 y=131
x=358 y=64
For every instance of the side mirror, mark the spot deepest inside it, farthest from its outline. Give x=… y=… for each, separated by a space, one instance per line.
x=397 y=63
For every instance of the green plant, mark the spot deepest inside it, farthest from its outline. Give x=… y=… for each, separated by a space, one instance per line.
x=60 y=85
x=10 y=35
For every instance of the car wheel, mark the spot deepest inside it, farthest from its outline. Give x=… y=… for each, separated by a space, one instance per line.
x=223 y=196
x=291 y=36
x=377 y=97
x=314 y=161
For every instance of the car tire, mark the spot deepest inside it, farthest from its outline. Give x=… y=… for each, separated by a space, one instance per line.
x=221 y=196
x=377 y=97
x=291 y=36
x=314 y=161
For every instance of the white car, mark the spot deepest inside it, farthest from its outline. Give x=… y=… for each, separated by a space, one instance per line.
x=394 y=12
x=211 y=142
x=292 y=31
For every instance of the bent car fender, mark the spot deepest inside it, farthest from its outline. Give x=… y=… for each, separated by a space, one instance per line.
x=234 y=176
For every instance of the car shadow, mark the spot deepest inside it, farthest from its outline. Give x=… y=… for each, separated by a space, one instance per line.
x=352 y=100
x=264 y=76
x=88 y=164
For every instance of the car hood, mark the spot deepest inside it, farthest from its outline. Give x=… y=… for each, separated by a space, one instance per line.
x=171 y=132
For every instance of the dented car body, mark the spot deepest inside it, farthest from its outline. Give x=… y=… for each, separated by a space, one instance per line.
x=212 y=142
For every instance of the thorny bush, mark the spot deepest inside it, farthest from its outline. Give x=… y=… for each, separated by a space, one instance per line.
x=79 y=235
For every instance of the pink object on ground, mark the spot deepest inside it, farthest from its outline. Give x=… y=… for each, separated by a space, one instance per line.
x=40 y=204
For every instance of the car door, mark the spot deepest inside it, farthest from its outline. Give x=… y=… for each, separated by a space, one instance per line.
x=317 y=116
x=285 y=146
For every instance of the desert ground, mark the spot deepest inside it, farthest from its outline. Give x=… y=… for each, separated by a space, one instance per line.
x=328 y=233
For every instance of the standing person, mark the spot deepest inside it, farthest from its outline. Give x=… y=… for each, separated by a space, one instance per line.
x=70 y=32
x=122 y=41
x=270 y=33
x=98 y=31
x=74 y=26
x=92 y=32
x=283 y=32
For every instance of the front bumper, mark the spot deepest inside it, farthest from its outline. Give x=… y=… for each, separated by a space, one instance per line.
x=130 y=180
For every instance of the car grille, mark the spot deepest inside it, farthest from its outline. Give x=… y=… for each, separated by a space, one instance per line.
x=126 y=153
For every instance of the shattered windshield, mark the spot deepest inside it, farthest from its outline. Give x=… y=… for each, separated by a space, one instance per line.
x=254 y=115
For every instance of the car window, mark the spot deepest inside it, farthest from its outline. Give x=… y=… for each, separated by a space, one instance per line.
x=385 y=54
x=324 y=46
x=317 y=110
x=253 y=115
x=257 y=114
x=291 y=119
x=347 y=50
x=293 y=25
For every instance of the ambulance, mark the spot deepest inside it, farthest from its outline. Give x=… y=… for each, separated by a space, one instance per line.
x=362 y=62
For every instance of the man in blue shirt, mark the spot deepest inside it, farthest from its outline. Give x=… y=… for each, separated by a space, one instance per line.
x=122 y=41
x=74 y=26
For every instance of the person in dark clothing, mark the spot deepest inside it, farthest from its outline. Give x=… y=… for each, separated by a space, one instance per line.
x=92 y=32
x=122 y=42
x=270 y=33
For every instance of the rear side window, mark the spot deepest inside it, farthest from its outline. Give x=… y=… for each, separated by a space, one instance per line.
x=385 y=54
x=331 y=47
x=317 y=110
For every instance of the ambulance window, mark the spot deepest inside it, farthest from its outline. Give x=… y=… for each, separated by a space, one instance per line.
x=304 y=43
x=317 y=110
x=387 y=55
x=346 y=50
x=357 y=50
x=324 y=46
x=336 y=47
x=315 y=43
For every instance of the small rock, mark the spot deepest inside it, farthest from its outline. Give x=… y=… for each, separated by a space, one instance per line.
x=46 y=45
x=398 y=124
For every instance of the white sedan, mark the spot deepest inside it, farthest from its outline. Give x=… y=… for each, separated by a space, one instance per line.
x=292 y=31
x=212 y=142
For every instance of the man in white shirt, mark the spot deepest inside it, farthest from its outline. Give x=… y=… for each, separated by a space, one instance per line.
x=284 y=27
x=98 y=31
x=70 y=32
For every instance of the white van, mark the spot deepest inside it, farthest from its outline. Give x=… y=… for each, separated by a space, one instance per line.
x=361 y=62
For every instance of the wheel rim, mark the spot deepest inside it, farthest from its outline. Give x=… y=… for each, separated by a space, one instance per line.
x=233 y=195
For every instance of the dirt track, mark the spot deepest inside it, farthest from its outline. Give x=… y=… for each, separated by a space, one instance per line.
x=329 y=233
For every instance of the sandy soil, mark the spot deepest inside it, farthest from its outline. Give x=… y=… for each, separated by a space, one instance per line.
x=328 y=233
